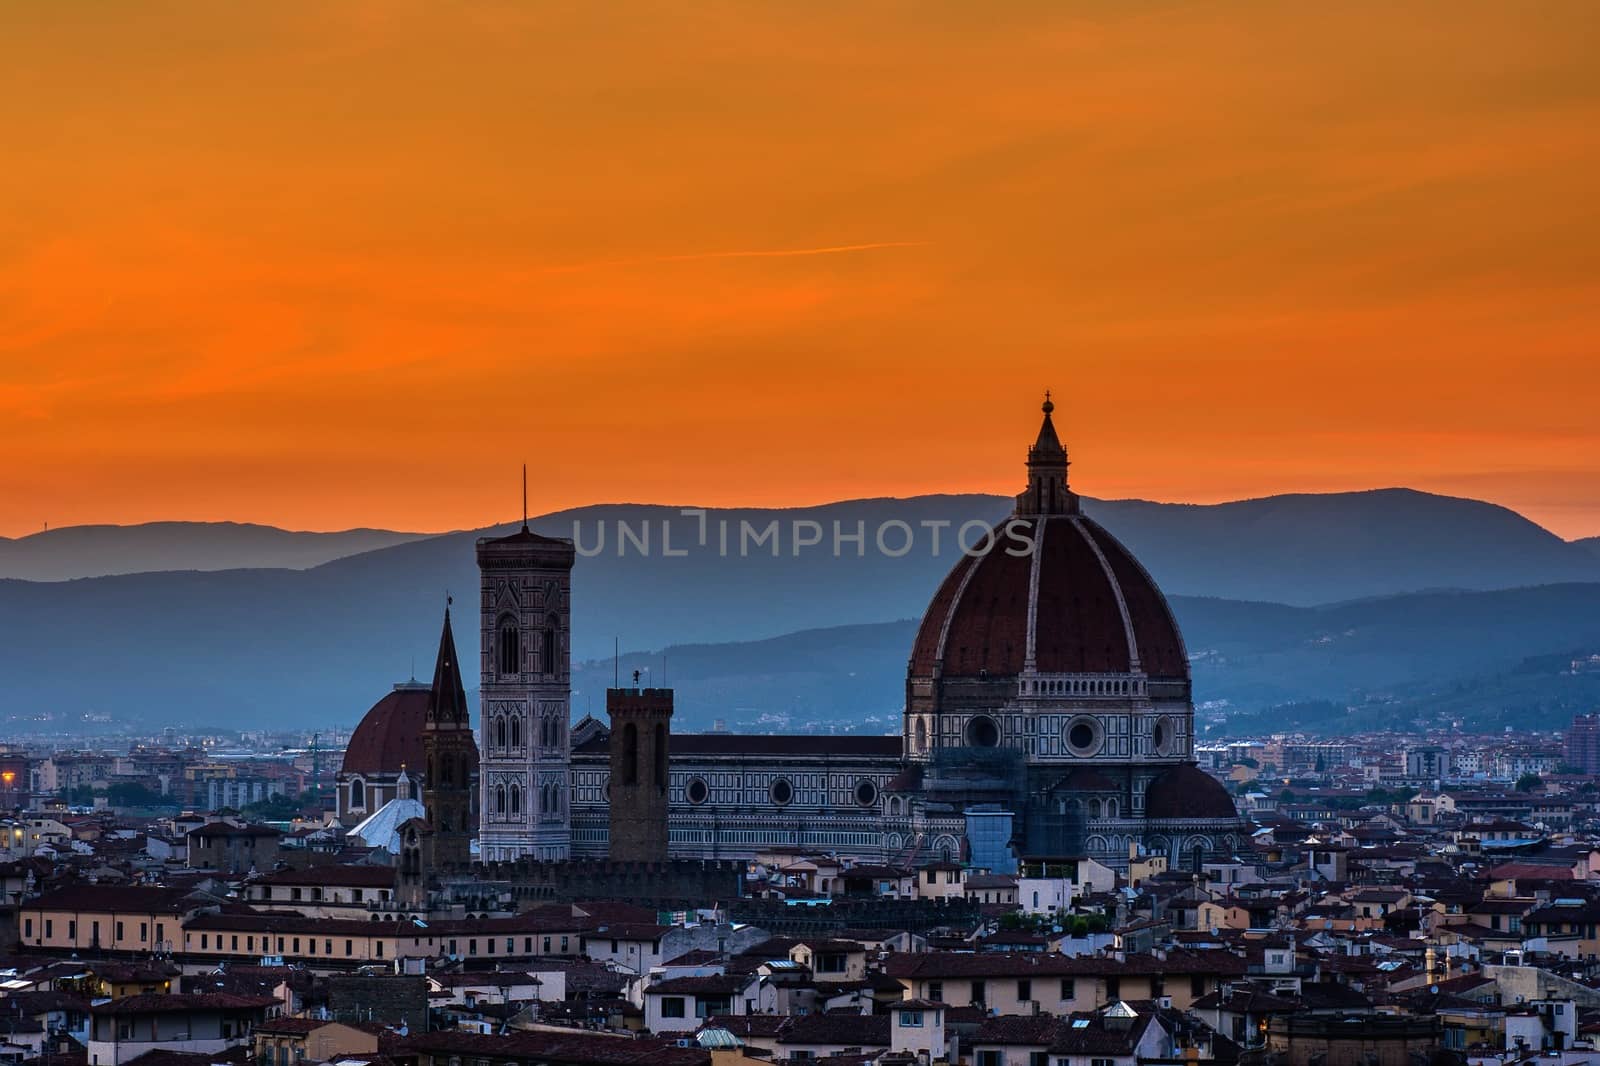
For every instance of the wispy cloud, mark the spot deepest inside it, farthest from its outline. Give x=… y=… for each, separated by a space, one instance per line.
x=759 y=253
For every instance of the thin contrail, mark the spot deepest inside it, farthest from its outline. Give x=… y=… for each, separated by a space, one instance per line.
x=779 y=253
x=771 y=253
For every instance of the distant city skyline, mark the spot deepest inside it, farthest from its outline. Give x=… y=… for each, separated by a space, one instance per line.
x=323 y=268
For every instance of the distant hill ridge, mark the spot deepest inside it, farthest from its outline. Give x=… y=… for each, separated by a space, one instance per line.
x=99 y=550
x=252 y=645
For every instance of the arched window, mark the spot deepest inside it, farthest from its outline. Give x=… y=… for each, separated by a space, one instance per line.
x=510 y=647
x=661 y=757
x=516 y=799
x=500 y=799
x=1111 y=808
x=500 y=730
x=358 y=794
x=446 y=765
x=516 y=731
x=1094 y=808
x=630 y=754
x=922 y=735
x=549 y=639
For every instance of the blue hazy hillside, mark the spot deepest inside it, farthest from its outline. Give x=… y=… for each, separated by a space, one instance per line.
x=95 y=551
x=246 y=647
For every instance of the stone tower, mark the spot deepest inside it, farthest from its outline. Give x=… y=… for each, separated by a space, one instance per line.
x=641 y=730
x=525 y=612
x=452 y=758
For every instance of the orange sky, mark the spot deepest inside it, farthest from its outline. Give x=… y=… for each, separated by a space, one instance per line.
x=350 y=264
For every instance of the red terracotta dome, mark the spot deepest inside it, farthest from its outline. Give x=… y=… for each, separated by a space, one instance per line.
x=1186 y=791
x=1087 y=607
x=390 y=734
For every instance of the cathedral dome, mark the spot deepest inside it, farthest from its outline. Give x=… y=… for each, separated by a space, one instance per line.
x=390 y=734
x=1054 y=592
x=1186 y=791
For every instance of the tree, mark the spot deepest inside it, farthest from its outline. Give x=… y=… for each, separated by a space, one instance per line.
x=1529 y=781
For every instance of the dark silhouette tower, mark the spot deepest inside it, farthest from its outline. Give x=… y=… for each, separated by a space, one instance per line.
x=641 y=729
x=452 y=761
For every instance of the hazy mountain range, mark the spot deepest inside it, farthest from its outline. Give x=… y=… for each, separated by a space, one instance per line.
x=247 y=647
x=95 y=551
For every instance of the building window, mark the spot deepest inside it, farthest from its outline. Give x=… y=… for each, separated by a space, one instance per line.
x=1024 y=990
x=516 y=732
x=978 y=993
x=911 y=1019
x=672 y=1007
x=983 y=732
x=661 y=758
x=549 y=637
x=630 y=754
x=510 y=645
x=1067 y=989
x=516 y=799
x=936 y=991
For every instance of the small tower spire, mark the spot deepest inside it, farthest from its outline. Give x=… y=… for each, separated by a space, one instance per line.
x=1047 y=492
x=524 y=497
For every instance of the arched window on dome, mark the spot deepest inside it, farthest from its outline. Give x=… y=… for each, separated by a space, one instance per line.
x=549 y=640
x=509 y=645
x=630 y=754
x=500 y=799
x=920 y=744
x=516 y=731
x=358 y=794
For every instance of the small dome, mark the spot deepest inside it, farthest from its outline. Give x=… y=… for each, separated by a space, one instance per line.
x=390 y=734
x=1186 y=791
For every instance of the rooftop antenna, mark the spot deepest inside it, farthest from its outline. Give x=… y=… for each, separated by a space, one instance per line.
x=524 y=497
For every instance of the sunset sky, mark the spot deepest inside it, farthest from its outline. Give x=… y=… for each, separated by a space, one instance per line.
x=329 y=265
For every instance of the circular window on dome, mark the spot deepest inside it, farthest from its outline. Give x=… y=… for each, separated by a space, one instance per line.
x=1084 y=736
x=781 y=792
x=983 y=732
x=866 y=793
x=1161 y=736
x=696 y=791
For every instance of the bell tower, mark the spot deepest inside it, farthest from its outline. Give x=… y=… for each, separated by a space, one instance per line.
x=452 y=758
x=525 y=624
